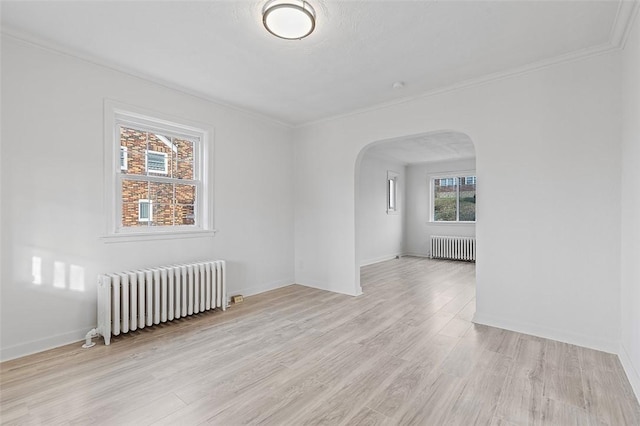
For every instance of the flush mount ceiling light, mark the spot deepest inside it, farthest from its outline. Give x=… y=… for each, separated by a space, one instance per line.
x=289 y=19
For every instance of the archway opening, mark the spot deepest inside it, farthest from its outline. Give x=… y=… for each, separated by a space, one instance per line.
x=412 y=189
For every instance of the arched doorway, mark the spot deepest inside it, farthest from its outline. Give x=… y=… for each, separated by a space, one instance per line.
x=409 y=189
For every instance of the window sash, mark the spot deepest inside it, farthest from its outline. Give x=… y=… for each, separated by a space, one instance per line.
x=448 y=181
x=198 y=220
x=199 y=156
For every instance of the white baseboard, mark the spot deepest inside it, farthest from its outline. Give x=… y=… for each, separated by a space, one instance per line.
x=329 y=288
x=40 y=345
x=631 y=370
x=250 y=291
x=549 y=333
x=390 y=257
x=412 y=254
x=379 y=259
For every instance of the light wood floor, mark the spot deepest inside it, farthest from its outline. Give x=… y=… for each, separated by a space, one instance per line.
x=403 y=353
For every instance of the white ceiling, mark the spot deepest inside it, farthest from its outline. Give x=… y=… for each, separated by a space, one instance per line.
x=425 y=148
x=219 y=49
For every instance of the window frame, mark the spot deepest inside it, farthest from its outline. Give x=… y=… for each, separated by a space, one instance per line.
x=117 y=114
x=392 y=187
x=448 y=175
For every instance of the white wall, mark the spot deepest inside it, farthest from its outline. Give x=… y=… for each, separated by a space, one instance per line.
x=380 y=234
x=419 y=229
x=52 y=194
x=630 y=292
x=548 y=167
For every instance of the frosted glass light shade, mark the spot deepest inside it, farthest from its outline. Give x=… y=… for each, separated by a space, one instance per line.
x=289 y=19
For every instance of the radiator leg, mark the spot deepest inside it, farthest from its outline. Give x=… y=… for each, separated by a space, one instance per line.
x=90 y=334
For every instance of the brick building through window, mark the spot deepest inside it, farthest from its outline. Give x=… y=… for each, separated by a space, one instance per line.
x=166 y=196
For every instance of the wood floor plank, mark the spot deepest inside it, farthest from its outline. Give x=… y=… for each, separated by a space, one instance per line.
x=405 y=352
x=411 y=379
x=368 y=417
x=563 y=376
x=521 y=400
x=347 y=401
x=480 y=394
x=434 y=403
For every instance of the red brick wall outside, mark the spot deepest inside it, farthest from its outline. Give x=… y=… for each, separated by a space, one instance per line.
x=172 y=203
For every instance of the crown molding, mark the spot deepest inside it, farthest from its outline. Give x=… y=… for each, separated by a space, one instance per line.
x=625 y=16
x=476 y=82
x=47 y=45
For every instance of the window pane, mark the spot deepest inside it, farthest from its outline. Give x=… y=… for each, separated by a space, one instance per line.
x=162 y=215
x=444 y=200
x=184 y=214
x=392 y=194
x=184 y=164
x=135 y=143
x=132 y=192
x=185 y=194
x=161 y=193
x=184 y=207
x=130 y=215
x=467 y=198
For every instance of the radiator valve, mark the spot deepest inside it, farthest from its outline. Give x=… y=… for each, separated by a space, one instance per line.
x=87 y=339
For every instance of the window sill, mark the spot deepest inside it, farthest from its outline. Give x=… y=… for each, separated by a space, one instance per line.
x=153 y=236
x=431 y=222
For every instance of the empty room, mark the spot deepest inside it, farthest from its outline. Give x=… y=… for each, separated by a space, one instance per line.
x=337 y=212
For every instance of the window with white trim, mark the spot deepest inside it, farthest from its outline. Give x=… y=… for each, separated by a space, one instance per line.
x=159 y=175
x=392 y=192
x=156 y=162
x=453 y=199
x=123 y=158
x=145 y=210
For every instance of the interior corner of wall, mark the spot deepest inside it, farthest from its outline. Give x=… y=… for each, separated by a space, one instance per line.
x=632 y=372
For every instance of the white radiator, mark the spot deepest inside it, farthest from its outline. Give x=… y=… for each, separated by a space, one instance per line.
x=131 y=300
x=456 y=248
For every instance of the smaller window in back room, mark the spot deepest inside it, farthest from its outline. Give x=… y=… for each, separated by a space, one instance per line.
x=454 y=199
x=392 y=192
